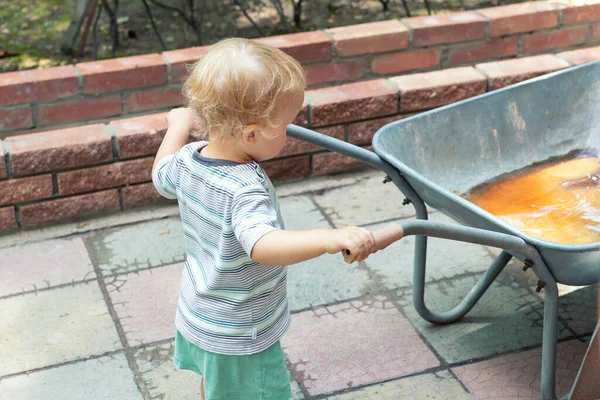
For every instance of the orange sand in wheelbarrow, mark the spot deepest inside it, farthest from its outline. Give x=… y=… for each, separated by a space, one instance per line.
x=558 y=202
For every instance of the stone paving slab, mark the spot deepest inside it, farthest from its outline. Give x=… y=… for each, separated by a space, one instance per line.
x=436 y=386
x=166 y=382
x=146 y=302
x=353 y=344
x=139 y=246
x=54 y=326
x=321 y=183
x=506 y=318
x=445 y=258
x=101 y=378
x=579 y=307
x=517 y=375
x=43 y=264
x=366 y=202
x=325 y=279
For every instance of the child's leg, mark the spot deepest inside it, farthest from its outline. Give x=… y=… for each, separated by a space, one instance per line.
x=202 y=389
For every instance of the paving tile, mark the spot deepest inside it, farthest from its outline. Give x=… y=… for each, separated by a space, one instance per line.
x=139 y=246
x=445 y=258
x=366 y=202
x=160 y=376
x=146 y=302
x=579 y=307
x=327 y=182
x=325 y=279
x=352 y=344
x=166 y=382
x=101 y=378
x=436 y=386
x=517 y=375
x=43 y=264
x=54 y=326
x=506 y=318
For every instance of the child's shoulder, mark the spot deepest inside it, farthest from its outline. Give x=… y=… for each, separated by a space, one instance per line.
x=230 y=175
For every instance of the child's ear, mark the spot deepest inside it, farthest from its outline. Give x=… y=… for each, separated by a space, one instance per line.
x=249 y=134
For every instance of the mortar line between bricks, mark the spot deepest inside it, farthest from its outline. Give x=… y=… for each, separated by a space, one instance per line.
x=61 y=364
x=47 y=288
x=129 y=353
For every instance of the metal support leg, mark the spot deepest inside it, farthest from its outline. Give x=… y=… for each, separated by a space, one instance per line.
x=455 y=314
x=550 y=332
x=508 y=243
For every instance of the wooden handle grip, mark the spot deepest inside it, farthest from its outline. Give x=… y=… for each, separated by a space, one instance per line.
x=383 y=238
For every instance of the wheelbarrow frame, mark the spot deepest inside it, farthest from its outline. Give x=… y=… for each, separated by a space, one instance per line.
x=422 y=228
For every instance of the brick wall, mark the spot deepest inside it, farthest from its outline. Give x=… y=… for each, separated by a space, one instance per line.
x=72 y=172
x=99 y=91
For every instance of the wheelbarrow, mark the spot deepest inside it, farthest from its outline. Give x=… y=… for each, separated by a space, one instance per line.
x=434 y=155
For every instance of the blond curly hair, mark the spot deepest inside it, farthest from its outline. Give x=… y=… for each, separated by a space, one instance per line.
x=240 y=82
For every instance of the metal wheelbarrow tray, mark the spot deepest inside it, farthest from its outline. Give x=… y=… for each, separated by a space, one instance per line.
x=452 y=149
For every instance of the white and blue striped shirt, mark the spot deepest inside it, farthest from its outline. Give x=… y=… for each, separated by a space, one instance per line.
x=228 y=303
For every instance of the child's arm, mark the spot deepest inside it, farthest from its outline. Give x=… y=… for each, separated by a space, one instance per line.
x=180 y=122
x=280 y=247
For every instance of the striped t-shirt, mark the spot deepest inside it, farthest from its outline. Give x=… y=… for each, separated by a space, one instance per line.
x=228 y=303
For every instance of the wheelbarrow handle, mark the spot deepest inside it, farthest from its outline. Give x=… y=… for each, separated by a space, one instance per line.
x=394 y=232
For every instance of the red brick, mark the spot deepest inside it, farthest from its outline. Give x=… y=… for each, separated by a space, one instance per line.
x=38 y=85
x=15 y=118
x=596 y=33
x=141 y=195
x=331 y=163
x=69 y=207
x=523 y=17
x=446 y=28
x=3 y=173
x=59 y=149
x=334 y=72
x=288 y=168
x=7 y=218
x=79 y=110
x=105 y=176
x=294 y=146
x=302 y=117
x=374 y=37
x=407 y=61
x=181 y=60
x=154 y=99
x=362 y=132
x=25 y=189
x=574 y=14
x=582 y=56
x=495 y=48
x=139 y=136
x=509 y=72
x=304 y=47
x=352 y=102
x=434 y=89
x=123 y=73
x=540 y=42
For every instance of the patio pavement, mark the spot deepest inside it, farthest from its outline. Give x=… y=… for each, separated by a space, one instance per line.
x=87 y=311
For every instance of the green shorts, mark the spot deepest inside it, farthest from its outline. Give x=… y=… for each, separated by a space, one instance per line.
x=261 y=376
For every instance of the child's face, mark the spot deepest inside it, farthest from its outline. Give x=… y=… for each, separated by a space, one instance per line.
x=269 y=144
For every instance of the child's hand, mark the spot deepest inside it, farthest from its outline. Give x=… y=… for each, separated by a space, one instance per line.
x=181 y=119
x=359 y=241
